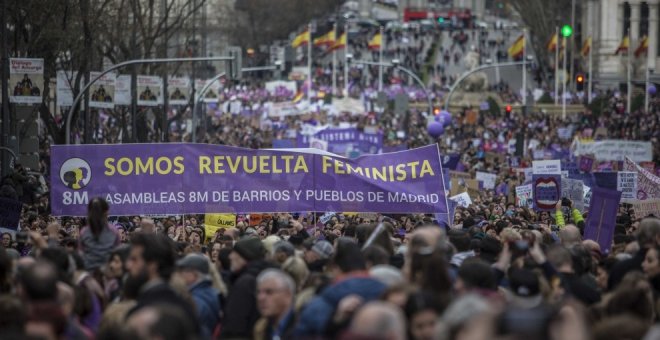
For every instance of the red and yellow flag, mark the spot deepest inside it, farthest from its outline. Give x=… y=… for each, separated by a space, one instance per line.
x=643 y=47
x=623 y=46
x=301 y=39
x=376 y=41
x=586 y=47
x=517 y=49
x=327 y=39
x=340 y=43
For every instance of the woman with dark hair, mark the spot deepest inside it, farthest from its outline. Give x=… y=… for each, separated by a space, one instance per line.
x=422 y=310
x=97 y=239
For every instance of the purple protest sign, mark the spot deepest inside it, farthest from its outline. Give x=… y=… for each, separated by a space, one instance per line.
x=198 y=178
x=547 y=191
x=585 y=163
x=602 y=216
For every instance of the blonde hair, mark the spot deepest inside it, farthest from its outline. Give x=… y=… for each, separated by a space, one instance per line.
x=296 y=267
x=510 y=235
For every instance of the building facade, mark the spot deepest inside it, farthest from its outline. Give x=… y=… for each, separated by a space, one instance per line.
x=608 y=22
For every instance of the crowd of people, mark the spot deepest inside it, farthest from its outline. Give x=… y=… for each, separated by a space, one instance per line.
x=493 y=270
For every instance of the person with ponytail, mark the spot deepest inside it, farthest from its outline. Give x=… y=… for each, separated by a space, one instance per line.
x=97 y=239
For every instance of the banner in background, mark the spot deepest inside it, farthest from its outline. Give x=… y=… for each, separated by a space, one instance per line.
x=602 y=217
x=64 y=91
x=344 y=141
x=272 y=86
x=646 y=208
x=102 y=91
x=614 y=150
x=149 y=90
x=524 y=196
x=139 y=179
x=547 y=191
x=26 y=79
x=648 y=184
x=213 y=222
x=123 y=90
x=178 y=91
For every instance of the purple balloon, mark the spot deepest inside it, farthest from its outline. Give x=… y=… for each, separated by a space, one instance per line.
x=444 y=117
x=435 y=129
x=652 y=90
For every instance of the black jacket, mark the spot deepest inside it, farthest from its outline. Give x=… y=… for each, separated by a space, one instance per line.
x=241 y=306
x=163 y=294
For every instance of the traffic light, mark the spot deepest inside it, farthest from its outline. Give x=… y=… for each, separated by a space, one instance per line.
x=566 y=31
x=436 y=111
x=508 y=109
x=579 y=82
x=441 y=20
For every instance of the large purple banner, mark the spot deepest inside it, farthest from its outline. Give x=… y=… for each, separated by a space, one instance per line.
x=140 y=179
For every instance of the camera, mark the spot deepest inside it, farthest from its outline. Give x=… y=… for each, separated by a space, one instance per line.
x=519 y=248
x=22 y=237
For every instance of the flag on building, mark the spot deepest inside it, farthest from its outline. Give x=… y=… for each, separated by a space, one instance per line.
x=301 y=39
x=623 y=46
x=340 y=43
x=552 y=44
x=643 y=47
x=586 y=47
x=376 y=41
x=517 y=49
x=327 y=39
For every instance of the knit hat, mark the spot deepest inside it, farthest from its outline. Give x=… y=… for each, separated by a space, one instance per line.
x=524 y=289
x=250 y=248
x=324 y=249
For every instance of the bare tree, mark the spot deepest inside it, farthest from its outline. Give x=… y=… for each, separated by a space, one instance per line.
x=542 y=16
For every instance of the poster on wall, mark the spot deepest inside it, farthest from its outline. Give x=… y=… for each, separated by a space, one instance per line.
x=178 y=91
x=102 y=91
x=26 y=79
x=150 y=90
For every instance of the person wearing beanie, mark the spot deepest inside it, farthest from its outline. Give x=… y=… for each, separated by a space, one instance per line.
x=317 y=255
x=246 y=263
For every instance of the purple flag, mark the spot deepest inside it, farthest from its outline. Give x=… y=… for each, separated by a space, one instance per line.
x=175 y=178
x=602 y=217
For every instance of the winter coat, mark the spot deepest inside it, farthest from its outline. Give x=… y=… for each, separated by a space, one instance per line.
x=241 y=311
x=316 y=316
x=207 y=302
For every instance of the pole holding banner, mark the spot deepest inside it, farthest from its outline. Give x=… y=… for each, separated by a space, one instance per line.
x=380 y=59
x=334 y=62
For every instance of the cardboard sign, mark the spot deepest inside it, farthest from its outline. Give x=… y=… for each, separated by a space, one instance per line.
x=213 y=222
x=524 y=196
x=547 y=191
x=627 y=184
x=488 y=179
x=458 y=174
x=459 y=185
x=462 y=199
x=551 y=167
x=573 y=189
